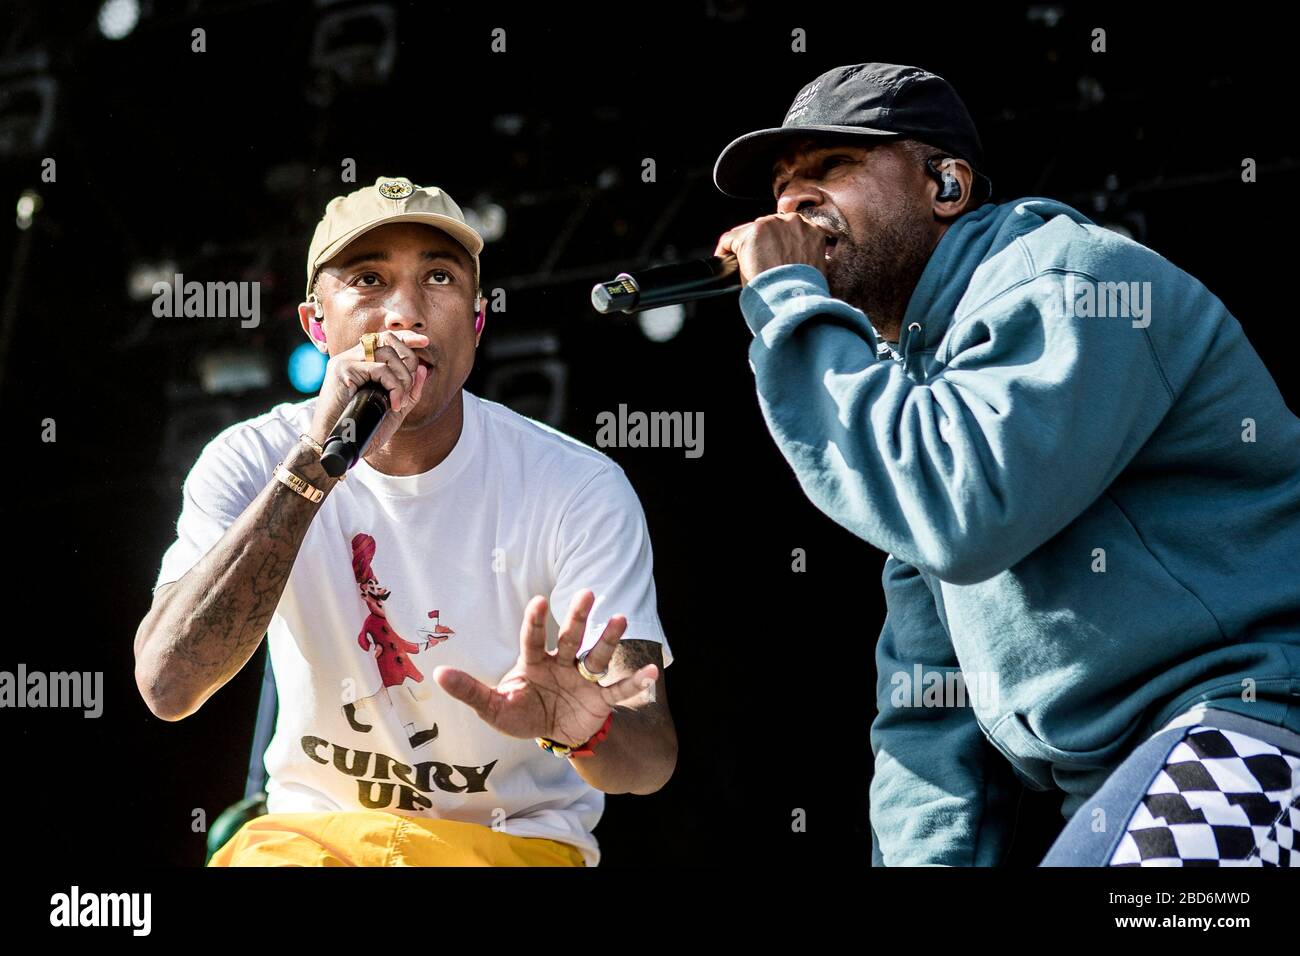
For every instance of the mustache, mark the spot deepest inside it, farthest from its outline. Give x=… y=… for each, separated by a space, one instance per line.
x=830 y=223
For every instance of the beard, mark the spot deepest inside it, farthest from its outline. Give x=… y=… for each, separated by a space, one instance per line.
x=876 y=267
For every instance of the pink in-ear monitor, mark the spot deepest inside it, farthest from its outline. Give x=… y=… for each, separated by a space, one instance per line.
x=478 y=323
x=317 y=332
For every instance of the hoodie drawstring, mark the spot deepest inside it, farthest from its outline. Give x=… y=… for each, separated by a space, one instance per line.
x=911 y=360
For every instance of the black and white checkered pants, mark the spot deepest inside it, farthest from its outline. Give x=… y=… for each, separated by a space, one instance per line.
x=1219 y=790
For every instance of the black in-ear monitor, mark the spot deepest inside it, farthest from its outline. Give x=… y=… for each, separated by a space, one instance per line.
x=949 y=188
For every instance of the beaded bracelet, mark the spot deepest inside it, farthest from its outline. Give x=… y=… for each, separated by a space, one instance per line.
x=581 y=750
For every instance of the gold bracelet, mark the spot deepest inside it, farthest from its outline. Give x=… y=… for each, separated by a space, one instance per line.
x=308 y=491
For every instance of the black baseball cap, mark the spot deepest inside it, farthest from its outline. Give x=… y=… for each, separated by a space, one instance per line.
x=867 y=100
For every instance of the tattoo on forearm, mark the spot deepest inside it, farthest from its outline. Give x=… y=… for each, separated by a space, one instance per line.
x=228 y=598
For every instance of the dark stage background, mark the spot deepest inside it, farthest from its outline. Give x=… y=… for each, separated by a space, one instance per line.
x=219 y=164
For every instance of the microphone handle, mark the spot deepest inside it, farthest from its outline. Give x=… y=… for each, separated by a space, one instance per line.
x=356 y=426
x=667 y=285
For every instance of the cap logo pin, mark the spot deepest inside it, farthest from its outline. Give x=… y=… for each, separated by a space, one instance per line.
x=396 y=190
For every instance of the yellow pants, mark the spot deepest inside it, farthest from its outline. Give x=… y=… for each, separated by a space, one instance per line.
x=378 y=838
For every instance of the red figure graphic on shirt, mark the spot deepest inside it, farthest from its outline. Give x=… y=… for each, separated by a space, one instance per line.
x=391 y=651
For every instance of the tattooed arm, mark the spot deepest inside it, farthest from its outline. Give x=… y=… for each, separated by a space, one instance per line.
x=640 y=753
x=203 y=628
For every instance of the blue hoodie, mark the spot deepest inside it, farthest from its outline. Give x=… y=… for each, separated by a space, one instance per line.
x=1090 y=499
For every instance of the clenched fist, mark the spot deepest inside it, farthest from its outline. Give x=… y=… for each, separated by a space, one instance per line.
x=397 y=367
x=781 y=239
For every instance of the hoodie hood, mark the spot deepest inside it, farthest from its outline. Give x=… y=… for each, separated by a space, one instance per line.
x=970 y=241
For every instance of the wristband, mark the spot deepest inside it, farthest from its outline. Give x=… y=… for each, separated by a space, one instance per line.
x=581 y=750
x=308 y=491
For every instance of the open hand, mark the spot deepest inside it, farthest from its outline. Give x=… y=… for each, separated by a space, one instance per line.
x=544 y=695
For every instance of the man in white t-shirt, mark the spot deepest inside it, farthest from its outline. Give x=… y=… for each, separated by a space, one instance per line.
x=422 y=718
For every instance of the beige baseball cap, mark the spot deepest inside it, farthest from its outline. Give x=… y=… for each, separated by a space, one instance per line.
x=390 y=199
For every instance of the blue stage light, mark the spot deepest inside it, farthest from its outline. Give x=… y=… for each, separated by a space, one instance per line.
x=307 y=368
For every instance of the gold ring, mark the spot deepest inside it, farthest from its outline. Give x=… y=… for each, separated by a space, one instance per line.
x=594 y=678
x=368 y=342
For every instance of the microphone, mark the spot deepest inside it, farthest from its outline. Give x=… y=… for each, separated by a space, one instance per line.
x=667 y=285
x=356 y=426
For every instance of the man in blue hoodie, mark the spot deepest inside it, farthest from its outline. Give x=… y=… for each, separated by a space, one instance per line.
x=1087 y=483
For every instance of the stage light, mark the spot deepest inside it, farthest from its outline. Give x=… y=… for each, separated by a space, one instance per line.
x=487 y=219
x=1049 y=15
x=143 y=276
x=29 y=203
x=307 y=368
x=508 y=124
x=117 y=18
x=661 y=324
x=234 y=370
x=1091 y=92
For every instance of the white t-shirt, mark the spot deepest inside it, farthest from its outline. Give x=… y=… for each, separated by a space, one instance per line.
x=398 y=574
